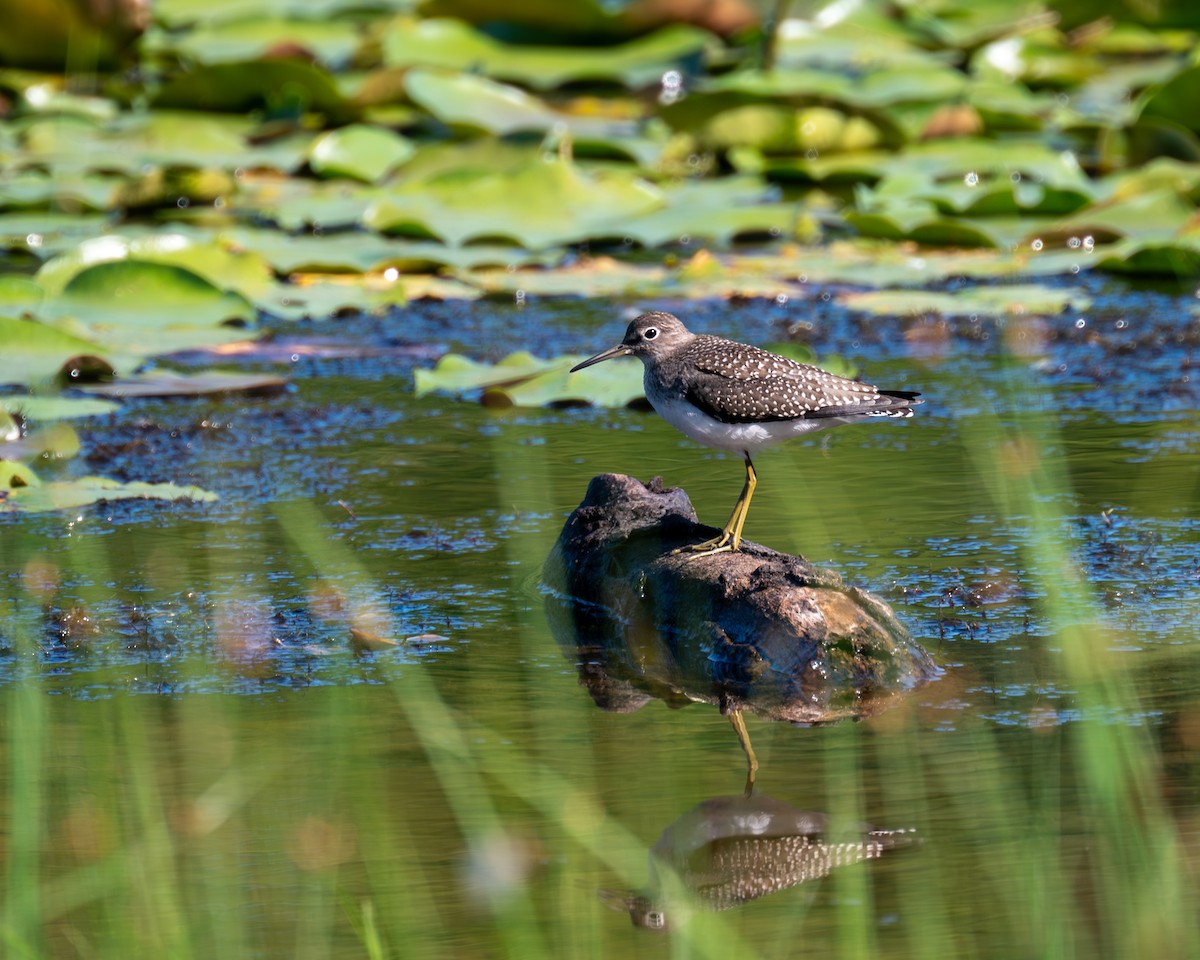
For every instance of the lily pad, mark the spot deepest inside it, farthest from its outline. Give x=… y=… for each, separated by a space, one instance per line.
x=614 y=384
x=293 y=204
x=590 y=277
x=168 y=384
x=332 y=42
x=521 y=379
x=460 y=99
x=13 y=476
x=284 y=88
x=44 y=234
x=316 y=297
x=994 y=301
x=452 y=44
x=455 y=373
x=56 y=407
x=19 y=297
x=539 y=204
x=244 y=272
x=360 y=151
x=147 y=308
x=34 y=352
x=73 y=494
x=55 y=442
x=363 y=252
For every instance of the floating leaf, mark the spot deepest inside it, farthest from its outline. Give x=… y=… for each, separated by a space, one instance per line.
x=167 y=384
x=1166 y=258
x=539 y=204
x=591 y=277
x=294 y=204
x=319 y=297
x=19 y=297
x=244 y=272
x=34 y=352
x=73 y=494
x=454 y=45
x=460 y=99
x=360 y=151
x=55 y=407
x=333 y=42
x=1176 y=100
x=147 y=308
x=521 y=379
x=993 y=301
x=363 y=252
x=56 y=442
x=284 y=87
x=44 y=234
x=458 y=374
x=13 y=476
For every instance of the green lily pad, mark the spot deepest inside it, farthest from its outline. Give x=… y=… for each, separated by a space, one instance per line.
x=332 y=42
x=164 y=383
x=34 y=352
x=324 y=298
x=883 y=86
x=13 y=476
x=1166 y=258
x=73 y=494
x=992 y=301
x=363 y=252
x=243 y=272
x=360 y=151
x=1157 y=215
x=293 y=204
x=58 y=441
x=146 y=308
x=458 y=374
x=521 y=379
x=1176 y=99
x=538 y=204
x=591 y=277
x=19 y=296
x=56 y=407
x=287 y=88
x=452 y=44
x=462 y=99
x=181 y=13
x=614 y=384
x=45 y=234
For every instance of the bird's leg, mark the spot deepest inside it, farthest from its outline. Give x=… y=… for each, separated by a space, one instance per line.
x=743 y=735
x=731 y=534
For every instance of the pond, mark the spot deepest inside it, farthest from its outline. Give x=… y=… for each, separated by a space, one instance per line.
x=211 y=749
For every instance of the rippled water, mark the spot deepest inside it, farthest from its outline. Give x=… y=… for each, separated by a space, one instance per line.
x=191 y=734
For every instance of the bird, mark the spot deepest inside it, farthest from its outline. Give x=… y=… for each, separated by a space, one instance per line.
x=740 y=398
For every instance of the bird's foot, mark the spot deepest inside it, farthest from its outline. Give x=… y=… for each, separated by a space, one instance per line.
x=725 y=543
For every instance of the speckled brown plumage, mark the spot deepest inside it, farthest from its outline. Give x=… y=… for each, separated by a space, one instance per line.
x=737 y=383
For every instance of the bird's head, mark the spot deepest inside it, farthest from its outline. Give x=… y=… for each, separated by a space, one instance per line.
x=651 y=335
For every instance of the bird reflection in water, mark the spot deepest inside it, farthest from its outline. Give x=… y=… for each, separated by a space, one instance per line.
x=728 y=851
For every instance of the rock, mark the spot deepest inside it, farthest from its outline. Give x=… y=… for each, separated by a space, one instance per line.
x=756 y=631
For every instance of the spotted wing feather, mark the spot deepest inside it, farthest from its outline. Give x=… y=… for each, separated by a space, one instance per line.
x=735 y=383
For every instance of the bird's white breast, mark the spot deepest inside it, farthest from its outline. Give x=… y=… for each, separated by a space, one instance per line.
x=744 y=438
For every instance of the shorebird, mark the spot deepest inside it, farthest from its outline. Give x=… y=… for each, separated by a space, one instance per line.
x=740 y=398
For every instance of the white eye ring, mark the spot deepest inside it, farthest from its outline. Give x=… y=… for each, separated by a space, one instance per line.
x=650 y=333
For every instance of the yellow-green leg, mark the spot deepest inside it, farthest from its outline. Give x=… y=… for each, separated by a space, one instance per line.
x=731 y=534
x=743 y=735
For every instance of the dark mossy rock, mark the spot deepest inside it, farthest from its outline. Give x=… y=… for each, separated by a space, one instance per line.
x=757 y=630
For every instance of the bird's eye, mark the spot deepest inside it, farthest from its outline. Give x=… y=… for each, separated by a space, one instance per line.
x=656 y=920
x=650 y=333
